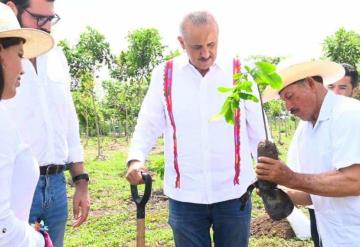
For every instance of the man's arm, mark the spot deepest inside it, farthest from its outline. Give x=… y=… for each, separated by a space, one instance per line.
x=150 y=125
x=81 y=198
x=338 y=183
x=299 y=198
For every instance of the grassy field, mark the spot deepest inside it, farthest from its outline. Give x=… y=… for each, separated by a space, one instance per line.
x=112 y=218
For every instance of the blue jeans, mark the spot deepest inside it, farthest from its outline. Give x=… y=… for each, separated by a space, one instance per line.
x=50 y=205
x=191 y=223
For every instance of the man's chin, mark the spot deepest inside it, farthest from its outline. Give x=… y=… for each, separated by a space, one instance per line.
x=205 y=65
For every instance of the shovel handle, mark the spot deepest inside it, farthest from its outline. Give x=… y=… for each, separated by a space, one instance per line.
x=140 y=232
x=141 y=201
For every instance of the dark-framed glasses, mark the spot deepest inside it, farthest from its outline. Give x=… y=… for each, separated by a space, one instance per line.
x=43 y=19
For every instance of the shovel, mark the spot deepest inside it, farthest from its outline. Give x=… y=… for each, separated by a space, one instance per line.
x=140 y=208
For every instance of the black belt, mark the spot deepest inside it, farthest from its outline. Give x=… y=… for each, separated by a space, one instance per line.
x=51 y=169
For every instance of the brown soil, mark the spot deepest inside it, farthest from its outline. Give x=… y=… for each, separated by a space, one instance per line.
x=264 y=226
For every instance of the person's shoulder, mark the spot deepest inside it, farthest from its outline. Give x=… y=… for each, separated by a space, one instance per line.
x=55 y=51
x=177 y=62
x=346 y=105
x=346 y=111
x=7 y=128
x=226 y=63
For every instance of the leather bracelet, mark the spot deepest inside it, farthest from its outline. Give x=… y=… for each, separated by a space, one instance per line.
x=80 y=176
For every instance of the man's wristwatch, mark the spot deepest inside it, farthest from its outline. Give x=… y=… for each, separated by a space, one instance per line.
x=80 y=176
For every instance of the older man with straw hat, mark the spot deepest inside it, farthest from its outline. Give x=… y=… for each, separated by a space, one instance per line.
x=328 y=151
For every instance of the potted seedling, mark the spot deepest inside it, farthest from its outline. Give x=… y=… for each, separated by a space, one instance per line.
x=277 y=203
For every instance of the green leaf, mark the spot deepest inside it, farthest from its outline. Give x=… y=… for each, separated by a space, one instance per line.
x=217 y=117
x=234 y=104
x=229 y=116
x=276 y=81
x=272 y=79
x=265 y=67
x=245 y=85
x=247 y=96
x=248 y=69
x=237 y=77
x=225 y=89
x=226 y=105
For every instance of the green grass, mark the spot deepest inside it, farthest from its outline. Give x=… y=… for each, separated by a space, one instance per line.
x=112 y=220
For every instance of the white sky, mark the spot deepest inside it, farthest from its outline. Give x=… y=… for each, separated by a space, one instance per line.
x=266 y=27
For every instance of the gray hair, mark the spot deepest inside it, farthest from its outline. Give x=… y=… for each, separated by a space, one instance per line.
x=197 y=18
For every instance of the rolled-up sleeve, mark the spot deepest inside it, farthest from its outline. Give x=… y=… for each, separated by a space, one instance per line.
x=345 y=138
x=75 y=148
x=76 y=152
x=151 y=120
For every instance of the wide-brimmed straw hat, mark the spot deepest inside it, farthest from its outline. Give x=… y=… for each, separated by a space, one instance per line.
x=329 y=71
x=36 y=42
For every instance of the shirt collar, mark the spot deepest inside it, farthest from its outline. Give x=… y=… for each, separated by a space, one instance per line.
x=326 y=107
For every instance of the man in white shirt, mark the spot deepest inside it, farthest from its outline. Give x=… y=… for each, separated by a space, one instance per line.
x=346 y=86
x=45 y=114
x=327 y=153
x=208 y=165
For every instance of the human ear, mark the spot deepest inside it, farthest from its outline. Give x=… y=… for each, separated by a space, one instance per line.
x=12 y=7
x=181 y=40
x=355 y=91
x=1 y=51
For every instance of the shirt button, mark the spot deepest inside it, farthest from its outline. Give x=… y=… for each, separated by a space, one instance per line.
x=3 y=230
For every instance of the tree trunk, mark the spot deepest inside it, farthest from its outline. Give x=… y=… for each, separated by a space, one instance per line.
x=96 y=125
x=126 y=125
x=87 y=129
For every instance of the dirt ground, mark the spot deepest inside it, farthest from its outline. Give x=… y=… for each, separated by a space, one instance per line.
x=264 y=226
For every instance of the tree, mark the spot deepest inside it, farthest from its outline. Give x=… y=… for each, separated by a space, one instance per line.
x=132 y=70
x=270 y=59
x=85 y=59
x=145 y=51
x=342 y=47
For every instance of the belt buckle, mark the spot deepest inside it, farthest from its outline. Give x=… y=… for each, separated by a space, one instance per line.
x=47 y=170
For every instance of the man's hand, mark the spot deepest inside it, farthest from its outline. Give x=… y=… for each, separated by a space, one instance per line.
x=274 y=171
x=133 y=174
x=81 y=203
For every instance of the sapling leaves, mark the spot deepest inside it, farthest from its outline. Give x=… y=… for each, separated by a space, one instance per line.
x=263 y=73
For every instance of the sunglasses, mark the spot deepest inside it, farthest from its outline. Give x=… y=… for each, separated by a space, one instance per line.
x=43 y=19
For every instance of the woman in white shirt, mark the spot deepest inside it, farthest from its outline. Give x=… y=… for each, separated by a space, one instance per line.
x=19 y=171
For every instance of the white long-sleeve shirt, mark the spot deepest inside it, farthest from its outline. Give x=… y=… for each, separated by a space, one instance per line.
x=205 y=149
x=44 y=111
x=19 y=174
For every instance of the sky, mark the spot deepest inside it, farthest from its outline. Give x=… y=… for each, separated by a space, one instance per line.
x=253 y=27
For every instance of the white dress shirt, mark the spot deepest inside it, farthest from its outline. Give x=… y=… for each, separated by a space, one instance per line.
x=333 y=143
x=205 y=149
x=19 y=174
x=44 y=110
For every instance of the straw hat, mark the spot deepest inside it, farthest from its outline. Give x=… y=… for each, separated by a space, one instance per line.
x=36 y=42
x=329 y=71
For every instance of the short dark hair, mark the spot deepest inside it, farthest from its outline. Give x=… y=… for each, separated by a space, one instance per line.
x=21 y=3
x=351 y=71
x=197 y=18
x=315 y=78
x=5 y=43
